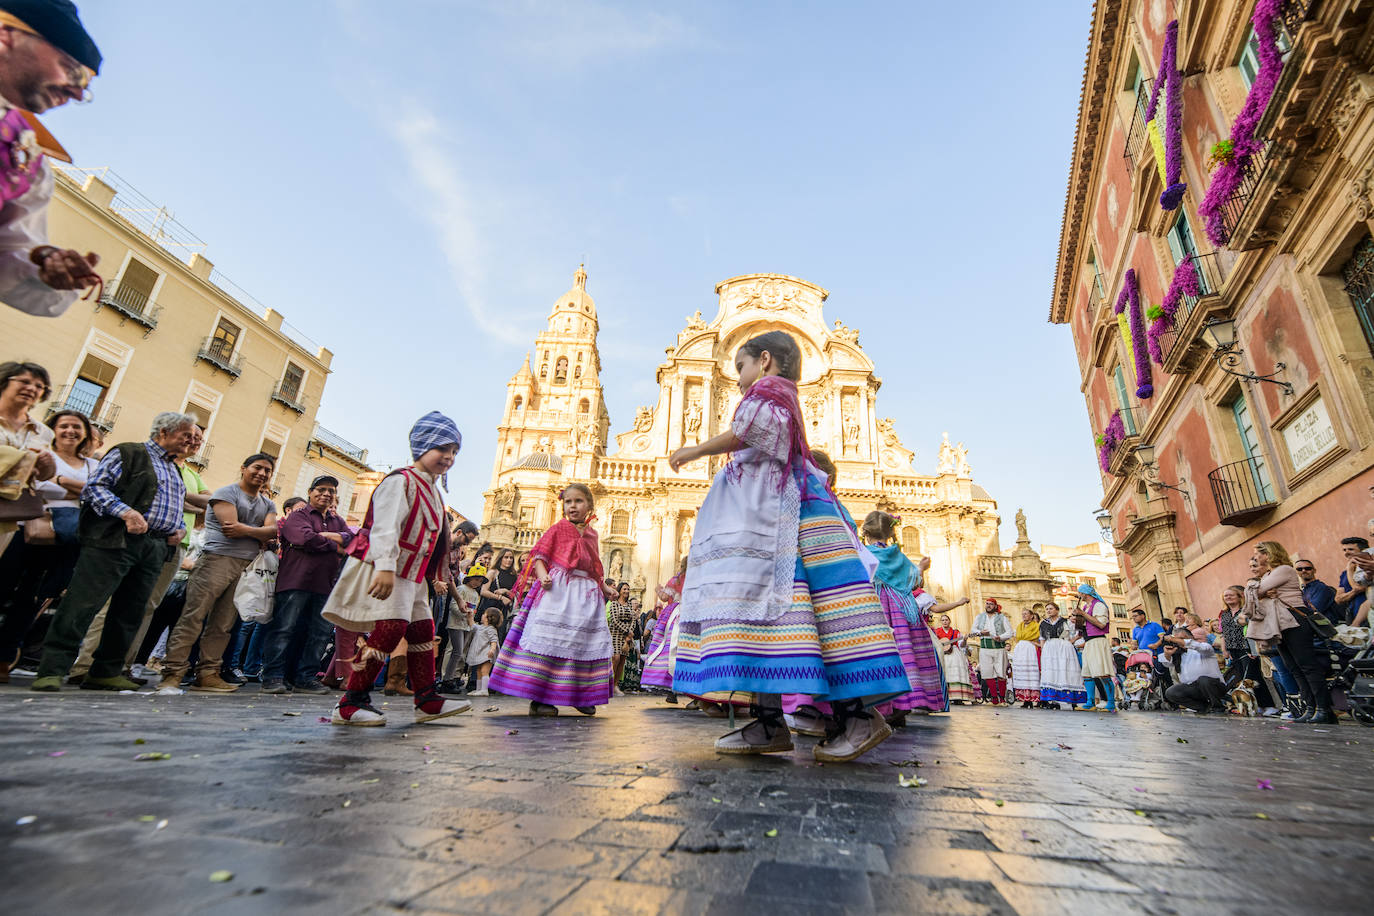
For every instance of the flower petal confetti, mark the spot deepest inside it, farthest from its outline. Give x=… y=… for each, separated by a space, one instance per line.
x=1264 y=784
x=153 y=755
x=771 y=833
x=219 y=877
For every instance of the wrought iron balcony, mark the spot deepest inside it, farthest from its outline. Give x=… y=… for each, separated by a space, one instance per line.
x=1294 y=14
x=1192 y=313
x=201 y=459
x=1136 y=136
x=340 y=444
x=290 y=399
x=101 y=415
x=220 y=355
x=1242 y=492
x=1235 y=208
x=132 y=303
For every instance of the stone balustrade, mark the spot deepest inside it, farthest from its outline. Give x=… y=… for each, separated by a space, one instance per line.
x=615 y=471
x=911 y=489
x=994 y=566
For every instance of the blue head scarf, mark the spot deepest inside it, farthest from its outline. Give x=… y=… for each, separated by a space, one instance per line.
x=433 y=430
x=1086 y=589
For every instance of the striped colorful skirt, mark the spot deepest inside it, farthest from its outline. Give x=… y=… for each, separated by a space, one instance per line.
x=835 y=643
x=658 y=668
x=569 y=613
x=916 y=645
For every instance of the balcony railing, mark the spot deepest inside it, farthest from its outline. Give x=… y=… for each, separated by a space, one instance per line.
x=994 y=566
x=1192 y=311
x=622 y=471
x=1233 y=209
x=132 y=303
x=1136 y=136
x=1242 y=491
x=289 y=398
x=201 y=459
x=102 y=416
x=220 y=355
x=340 y=444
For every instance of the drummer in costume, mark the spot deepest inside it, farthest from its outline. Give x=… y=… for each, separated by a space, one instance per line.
x=992 y=629
x=46 y=59
x=402 y=545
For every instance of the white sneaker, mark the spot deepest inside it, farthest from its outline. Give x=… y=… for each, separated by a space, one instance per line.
x=448 y=708
x=1269 y=712
x=24 y=672
x=1287 y=717
x=478 y=693
x=861 y=735
x=361 y=716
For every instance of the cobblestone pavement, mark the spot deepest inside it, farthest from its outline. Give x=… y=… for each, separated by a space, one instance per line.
x=1024 y=811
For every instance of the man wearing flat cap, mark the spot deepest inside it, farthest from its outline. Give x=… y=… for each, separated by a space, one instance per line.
x=313 y=538
x=46 y=59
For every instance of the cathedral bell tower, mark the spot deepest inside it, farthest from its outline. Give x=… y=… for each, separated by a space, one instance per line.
x=554 y=425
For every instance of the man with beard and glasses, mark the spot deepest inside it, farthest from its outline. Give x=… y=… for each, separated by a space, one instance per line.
x=46 y=60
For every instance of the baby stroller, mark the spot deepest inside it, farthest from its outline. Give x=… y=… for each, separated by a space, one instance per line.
x=1142 y=686
x=1355 y=684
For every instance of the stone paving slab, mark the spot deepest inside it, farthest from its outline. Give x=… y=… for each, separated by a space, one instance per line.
x=1024 y=812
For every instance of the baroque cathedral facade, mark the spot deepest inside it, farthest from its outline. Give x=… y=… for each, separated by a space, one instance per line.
x=555 y=429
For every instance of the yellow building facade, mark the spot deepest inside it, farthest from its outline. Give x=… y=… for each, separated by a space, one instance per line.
x=166 y=334
x=556 y=429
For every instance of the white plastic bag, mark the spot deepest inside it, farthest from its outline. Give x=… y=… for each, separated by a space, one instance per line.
x=257 y=588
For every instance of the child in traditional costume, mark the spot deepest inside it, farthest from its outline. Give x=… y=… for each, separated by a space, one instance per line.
x=482 y=651
x=558 y=650
x=776 y=598
x=382 y=590
x=662 y=653
x=907 y=606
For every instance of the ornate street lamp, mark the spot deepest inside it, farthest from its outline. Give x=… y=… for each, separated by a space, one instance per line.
x=1104 y=521
x=1145 y=454
x=1220 y=334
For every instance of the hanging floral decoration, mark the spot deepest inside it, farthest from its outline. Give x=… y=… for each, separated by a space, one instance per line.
x=1222 y=152
x=1109 y=440
x=1244 y=144
x=1130 y=296
x=1184 y=283
x=1171 y=80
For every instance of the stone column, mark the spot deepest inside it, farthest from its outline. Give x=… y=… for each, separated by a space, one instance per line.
x=676 y=415
x=836 y=423
x=667 y=545
x=866 y=421
x=654 y=547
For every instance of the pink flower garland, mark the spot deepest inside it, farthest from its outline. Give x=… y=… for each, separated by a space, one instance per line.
x=1184 y=283
x=1170 y=78
x=1229 y=174
x=1110 y=440
x=1130 y=294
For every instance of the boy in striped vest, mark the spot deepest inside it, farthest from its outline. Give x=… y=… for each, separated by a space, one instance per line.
x=383 y=590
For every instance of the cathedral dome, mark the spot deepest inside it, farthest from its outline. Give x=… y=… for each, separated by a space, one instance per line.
x=576 y=300
x=540 y=461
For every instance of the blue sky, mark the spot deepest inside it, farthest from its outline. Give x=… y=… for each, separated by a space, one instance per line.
x=413 y=184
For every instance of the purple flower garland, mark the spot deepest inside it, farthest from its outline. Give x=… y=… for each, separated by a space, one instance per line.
x=1229 y=174
x=1110 y=440
x=1170 y=78
x=1130 y=294
x=1184 y=283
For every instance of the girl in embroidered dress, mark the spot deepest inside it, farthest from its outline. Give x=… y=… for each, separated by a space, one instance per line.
x=959 y=675
x=558 y=650
x=1061 y=680
x=908 y=607
x=402 y=544
x=776 y=598
x=658 y=660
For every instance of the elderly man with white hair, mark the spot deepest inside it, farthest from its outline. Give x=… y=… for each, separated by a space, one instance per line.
x=131 y=522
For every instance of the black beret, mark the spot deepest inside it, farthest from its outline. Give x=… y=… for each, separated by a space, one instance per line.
x=58 y=23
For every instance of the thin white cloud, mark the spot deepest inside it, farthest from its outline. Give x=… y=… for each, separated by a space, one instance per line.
x=570 y=35
x=449 y=209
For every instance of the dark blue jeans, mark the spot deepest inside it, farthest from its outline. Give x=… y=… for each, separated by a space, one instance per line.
x=295 y=638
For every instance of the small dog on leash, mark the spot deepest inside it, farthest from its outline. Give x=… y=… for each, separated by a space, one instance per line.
x=1243 y=698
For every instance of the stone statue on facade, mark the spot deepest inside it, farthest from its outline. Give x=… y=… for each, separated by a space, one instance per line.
x=850 y=421
x=1021 y=534
x=692 y=421
x=947 y=457
x=888 y=430
x=684 y=543
x=586 y=434
x=695 y=322
x=961 y=461
x=815 y=408
x=503 y=501
x=617 y=565
x=644 y=419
